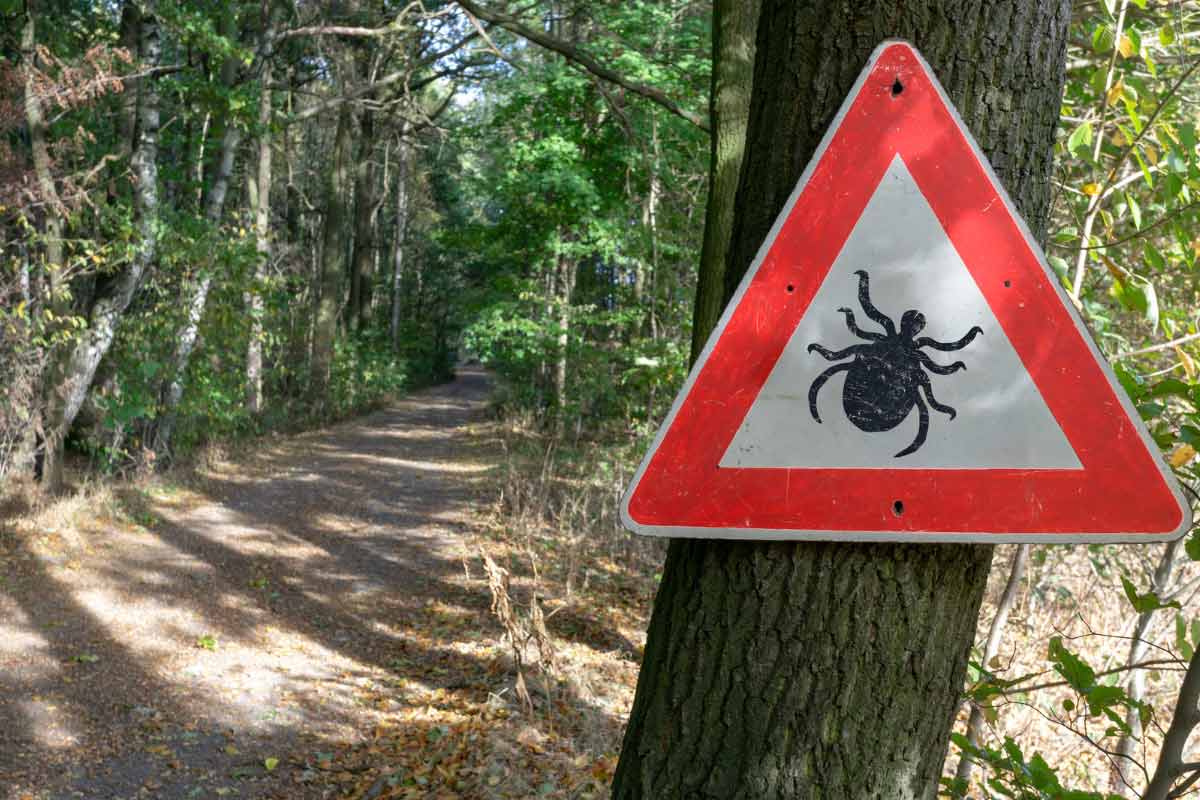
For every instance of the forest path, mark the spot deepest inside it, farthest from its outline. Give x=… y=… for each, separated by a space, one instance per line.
x=249 y=626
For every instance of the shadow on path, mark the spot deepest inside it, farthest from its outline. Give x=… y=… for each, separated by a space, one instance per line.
x=295 y=600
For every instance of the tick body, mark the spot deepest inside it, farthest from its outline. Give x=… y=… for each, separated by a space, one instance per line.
x=886 y=378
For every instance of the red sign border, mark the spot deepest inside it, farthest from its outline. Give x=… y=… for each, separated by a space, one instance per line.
x=679 y=489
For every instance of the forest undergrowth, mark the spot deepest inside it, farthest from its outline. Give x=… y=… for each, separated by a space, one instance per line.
x=556 y=529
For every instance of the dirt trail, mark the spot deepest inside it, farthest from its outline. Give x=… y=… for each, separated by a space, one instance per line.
x=268 y=613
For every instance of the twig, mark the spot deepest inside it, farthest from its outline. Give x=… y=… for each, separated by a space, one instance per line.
x=1154 y=348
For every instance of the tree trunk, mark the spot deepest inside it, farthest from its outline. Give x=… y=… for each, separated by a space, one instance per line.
x=1125 y=772
x=832 y=670
x=398 y=241
x=991 y=647
x=73 y=376
x=650 y=225
x=333 y=262
x=196 y=301
x=734 y=26
x=262 y=240
x=36 y=120
x=564 y=287
x=364 y=228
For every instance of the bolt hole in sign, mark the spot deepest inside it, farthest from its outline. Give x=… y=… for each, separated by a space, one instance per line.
x=901 y=364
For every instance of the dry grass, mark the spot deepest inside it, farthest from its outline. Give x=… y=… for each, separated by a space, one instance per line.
x=556 y=523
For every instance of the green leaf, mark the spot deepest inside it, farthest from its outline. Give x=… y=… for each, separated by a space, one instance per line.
x=1153 y=257
x=1166 y=35
x=1074 y=670
x=1192 y=547
x=271 y=763
x=1080 y=139
x=1144 y=602
x=1189 y=433
x=1170 y=386
x=1135 y=211
x=1187 y=137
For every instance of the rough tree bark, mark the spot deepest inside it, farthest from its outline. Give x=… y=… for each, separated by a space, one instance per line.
x=72 y=374
x=333 y=262
x=824 y=670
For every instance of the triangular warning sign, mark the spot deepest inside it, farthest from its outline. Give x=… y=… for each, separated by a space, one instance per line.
x=900 y=363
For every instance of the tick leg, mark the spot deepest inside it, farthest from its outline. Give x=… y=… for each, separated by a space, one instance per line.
x=819 y=382
x=864 y=300
x=859 y=332
x=937 y=368
x=922 y=430
x=831 y=355
x=946 y=347
x=928 y=389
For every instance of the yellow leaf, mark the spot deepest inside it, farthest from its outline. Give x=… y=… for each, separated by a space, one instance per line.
x=1118 y=139
x=1126 y=46
x=270 y=763
x=1114 y=94
x=1182 y=455
x=1189 y=363
x=1151 y=153
x=1091 y=189
x=1113 y=269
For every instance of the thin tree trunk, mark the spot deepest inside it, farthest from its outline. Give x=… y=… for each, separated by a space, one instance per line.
x=995 y=633
x=74 y=375
x=262 y=235
x=1125 y=771
x=36 y=120
x=196 y=300
x=818 y=669
x=650 y=223
x=333 y=263
x=564 y=287
x=364 y=228
x=734 y=25
x=402 y=157
x=194 y=303
x=1171 y=762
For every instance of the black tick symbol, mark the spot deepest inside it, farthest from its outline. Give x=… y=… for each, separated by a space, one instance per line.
x=886 y=377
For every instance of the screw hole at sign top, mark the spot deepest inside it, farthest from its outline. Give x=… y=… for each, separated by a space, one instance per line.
x=898 y=507
x=1007 y=284
x=791 y=288
x=897 y=87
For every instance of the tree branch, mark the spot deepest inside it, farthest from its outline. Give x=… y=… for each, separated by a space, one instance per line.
x=582 y=59
x=1154 y=348
x=1170 y=762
